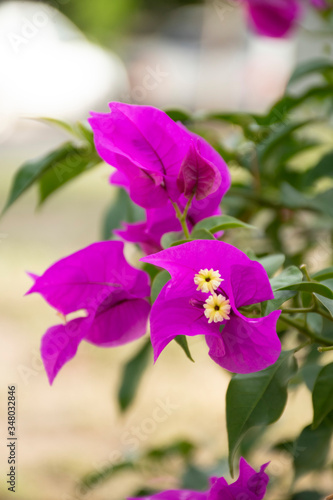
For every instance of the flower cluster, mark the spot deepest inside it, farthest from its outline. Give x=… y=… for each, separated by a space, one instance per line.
x=211 y=281
x=250 y=485
x=179 y=179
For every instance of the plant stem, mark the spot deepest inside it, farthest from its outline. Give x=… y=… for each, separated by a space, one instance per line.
x=291 y=310
x=182 y=216
x=306 y=331
x=323 y=349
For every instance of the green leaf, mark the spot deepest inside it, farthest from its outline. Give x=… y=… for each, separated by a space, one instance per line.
x=32 y=170
x=278 y=136
x=168 y=239
x=308 y=495
x=76 y=161
x=182 y=341
x=257 y=399
x=194 y=479
x=310 y=287
x=322 y=396
x=282 y=108
x=309 y=373
x=183 y=448
x=327 y=303
x=221 y=223
x=201 y=234
x=319 y=65
x=272 y=263
x=311 y=448
x=122 y=209
x=288 y=276
x=323 y=169
x=161 y=279
x=59 y=123
x=94 y=478
x=179 y=115
x=324 y=274
x=132 y=374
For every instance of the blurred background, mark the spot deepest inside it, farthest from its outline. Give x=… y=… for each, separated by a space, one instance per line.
x=63 y=59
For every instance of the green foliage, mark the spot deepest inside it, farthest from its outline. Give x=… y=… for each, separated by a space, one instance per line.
x=120 y=210
x=132 y=374
x=160 y=280
x=311 y=448
x=257 y=399
x=322 y=395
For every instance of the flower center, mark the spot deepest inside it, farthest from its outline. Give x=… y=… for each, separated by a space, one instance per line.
x=207 y=280
x=217 y=308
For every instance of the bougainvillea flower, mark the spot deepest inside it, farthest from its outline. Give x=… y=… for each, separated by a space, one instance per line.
x=148 y=148
x=273 y=18
x=250 y=485
x=98 y=281
x=186 y=307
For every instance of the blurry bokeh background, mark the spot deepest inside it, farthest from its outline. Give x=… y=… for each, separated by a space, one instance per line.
x=62 y=60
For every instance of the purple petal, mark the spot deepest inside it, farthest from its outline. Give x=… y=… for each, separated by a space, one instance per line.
x=119 y=324
x=273 y=18
x=246 y=345
x=86 y=278
x=59 y=344
x=197 y=176
x=142 y=138
x=173 y=315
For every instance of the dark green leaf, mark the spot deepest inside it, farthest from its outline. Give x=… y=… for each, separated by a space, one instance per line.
x=309 y=373
x=179 y=115
x=132 y=374
x=182 y=341
x=32 y=170
x=287 y=277
x=257 y=399
x=278 y=136
x=76 y=161
x=161 y=279
x=310 y=287
x=94 y=478
x=327 y=303
x=311 y=448
x=319 y=65
x=194 y=479
x=122 y=209
x=183 y=448
x=322 y=396
x=221 y=223
x=172 y=237
x=324 y=274
x=272 y=263
x=308 y=495
x=201 y=234
x=323 y=169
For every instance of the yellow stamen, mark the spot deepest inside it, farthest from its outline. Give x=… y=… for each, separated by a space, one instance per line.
x=207 y=280
x=217 y=308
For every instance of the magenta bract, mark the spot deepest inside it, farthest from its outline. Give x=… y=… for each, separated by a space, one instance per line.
x=250 y=485
x=273 y=18
x=98 y=281
x=237 y=343
x=148 y=148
